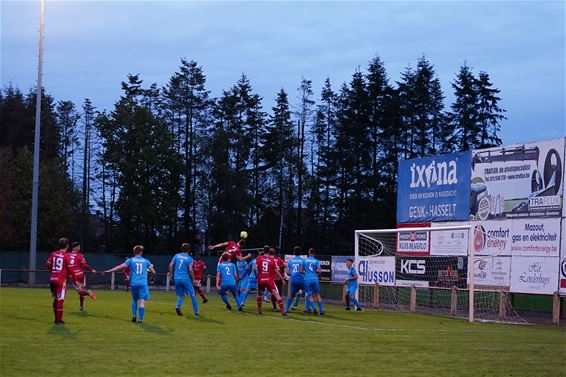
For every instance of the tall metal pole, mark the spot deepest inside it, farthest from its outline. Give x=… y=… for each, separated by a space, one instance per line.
x=35 y=180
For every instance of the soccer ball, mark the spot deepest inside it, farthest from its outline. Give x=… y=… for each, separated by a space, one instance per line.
x=243 y=234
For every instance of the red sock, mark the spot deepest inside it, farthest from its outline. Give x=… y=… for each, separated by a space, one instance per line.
x=82 y=299
x=55 y=309
x=281 y=307
x=259 y=303
x=273 y=302
x=59 y=310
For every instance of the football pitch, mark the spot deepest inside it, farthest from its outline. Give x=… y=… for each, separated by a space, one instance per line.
x=102 y=341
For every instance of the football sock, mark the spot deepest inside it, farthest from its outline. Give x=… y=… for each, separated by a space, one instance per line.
x=280 y=303
x=297 y=298
x=320 y=307
x=59 y=310
x=288 y=304
x=82 y=300
x=180 y=300
x=55 y=309
x=273 y=302
x=142 y=312
x=356 y=302
x=195 y=303
x=224 y=298
x=244 y=296
x=348 y=301
x=259 y=302
x=134 y=308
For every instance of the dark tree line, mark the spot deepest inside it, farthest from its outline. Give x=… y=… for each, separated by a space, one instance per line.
x=170 y=164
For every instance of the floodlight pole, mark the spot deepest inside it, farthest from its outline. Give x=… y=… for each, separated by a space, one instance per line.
x=35 y=180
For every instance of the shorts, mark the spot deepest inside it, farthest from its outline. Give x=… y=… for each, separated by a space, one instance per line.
x=140 y=292
x=252 y=284
x=78 y=280
x=243 y=283
x=197 y=283
x=269 y=285
x=312 y=287
x=228 y=288
x=279 y=285
x=297 y=286
x=351 y=290
x=184 y=287
x=58 y=289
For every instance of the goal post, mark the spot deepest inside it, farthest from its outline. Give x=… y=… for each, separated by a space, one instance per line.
x=431 y=269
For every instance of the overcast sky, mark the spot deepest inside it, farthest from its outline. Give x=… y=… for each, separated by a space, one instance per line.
x=90 y=47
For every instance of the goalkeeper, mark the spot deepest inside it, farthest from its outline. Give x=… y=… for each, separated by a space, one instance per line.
x=351 y=283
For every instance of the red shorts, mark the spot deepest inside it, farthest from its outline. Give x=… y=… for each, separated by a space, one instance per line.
x=58 y=289
x=279 y=285
x=78 y=280
x=269 y=284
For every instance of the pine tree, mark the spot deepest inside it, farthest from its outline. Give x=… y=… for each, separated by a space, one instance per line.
x=464 y=115
x=489 y=113
x=67 y=118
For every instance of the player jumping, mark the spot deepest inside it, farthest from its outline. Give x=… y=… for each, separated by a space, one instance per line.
x=76 y=264
x=233 y=250
x=182 y=273
x=138 y=286
x=265 y=269
x=57 y=263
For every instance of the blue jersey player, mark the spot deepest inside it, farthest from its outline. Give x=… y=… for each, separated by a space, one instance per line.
x=311 y=268
x=181 y=271
x=226 y=277
x=252 y=282
x=139 y=266
x=351 y=283
x=295 y=270
x=243 y=275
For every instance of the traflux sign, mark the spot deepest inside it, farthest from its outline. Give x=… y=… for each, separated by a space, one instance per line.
x=434 y=188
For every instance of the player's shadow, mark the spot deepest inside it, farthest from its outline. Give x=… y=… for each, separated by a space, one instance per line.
x=155 y=329
x=64 y=332
x=82 y=314
x=202 y=318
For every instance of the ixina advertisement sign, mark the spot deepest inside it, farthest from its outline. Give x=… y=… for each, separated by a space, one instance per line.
x=414 y=242
x=521 y=180
x=434 y=188
x=521 y=237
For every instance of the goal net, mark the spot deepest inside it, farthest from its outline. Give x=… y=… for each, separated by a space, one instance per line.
x=437 y=270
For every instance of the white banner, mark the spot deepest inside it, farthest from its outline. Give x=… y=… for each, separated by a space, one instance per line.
x=492 y=272
x=376 y=270
x=492 y=237
x=449 y=242
x=534 y=274
x=535 y=237
x=563 y=260
x=521 y=180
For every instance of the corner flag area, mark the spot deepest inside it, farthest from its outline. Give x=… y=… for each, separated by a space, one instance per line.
x=102 y=341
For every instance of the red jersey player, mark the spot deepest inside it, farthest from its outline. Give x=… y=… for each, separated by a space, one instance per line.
x=57 y=263
x=76 y=264
x=233 y=249
x=265 y=269
x=198 y=268
x=277 y=278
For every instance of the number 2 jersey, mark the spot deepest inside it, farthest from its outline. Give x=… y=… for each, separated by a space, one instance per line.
x=57 y=263
x=138 y=270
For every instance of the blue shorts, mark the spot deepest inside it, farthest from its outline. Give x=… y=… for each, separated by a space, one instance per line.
x=243 y=283
x=351 y=290
x=228 y=288
x=297 y=286
x=139 y=292
x=312 y=287
x=252 y=284
x=184 y=287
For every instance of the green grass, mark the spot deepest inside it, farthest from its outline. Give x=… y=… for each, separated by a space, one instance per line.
x=101 y=341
